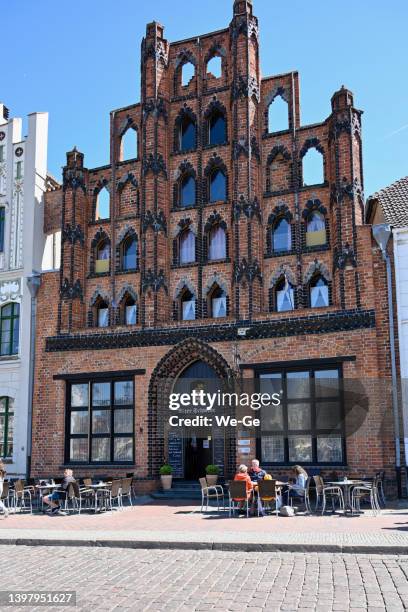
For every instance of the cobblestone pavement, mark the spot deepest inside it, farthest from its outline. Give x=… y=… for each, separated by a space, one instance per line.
x=183 y=580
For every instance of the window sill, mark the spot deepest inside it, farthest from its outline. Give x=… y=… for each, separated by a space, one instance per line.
x=12 y=358
x=104 y=466
x=99 y=221
x=132 y=271
x=217 y=261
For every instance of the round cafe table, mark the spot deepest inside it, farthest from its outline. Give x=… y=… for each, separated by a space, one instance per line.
x=346 y=485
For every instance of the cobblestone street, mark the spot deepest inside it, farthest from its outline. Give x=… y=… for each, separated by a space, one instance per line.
x=115 y=579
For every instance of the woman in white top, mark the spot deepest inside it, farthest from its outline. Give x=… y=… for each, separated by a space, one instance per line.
x=2 y=476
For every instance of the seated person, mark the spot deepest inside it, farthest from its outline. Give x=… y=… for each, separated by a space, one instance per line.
x=242 y=474
x=255 y=472
x=298 y=488
x=53 y=500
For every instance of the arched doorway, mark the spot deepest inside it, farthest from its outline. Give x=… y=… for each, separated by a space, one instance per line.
x=198 y=449
x=190 y=359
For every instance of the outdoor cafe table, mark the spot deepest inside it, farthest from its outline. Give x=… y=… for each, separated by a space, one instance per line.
x=346 y=485
x=45 y=487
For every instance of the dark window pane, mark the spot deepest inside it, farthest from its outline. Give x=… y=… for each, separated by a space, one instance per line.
x=218 y=187
x=300 y=448
x=78 y=449
x=101 y=449
x=101 y=421
x=298 y=385
x=188 y=191
x=271 y=383
x=328 y=415
x=217 y=133
x=282 y=236
x=16 y=335
x=187 y=136
x=123 y=449
x=101 y=394
x=329 y=449
x=326 y=383
x=124 y=393
x=272 y=418
x=299 y=416
x=79 y=422
x=273 y=449
x=123 y=421
x=79 y=395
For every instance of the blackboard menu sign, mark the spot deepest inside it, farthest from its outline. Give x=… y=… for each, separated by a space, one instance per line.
x=175 y=453
x=219 y=454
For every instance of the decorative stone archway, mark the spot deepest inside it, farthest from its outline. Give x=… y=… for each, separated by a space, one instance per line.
x=167 y=370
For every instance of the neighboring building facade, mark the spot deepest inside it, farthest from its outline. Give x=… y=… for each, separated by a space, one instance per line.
x=23 y=179
x=390 y=205
x=208 y=251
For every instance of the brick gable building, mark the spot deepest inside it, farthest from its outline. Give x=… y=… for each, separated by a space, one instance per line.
x=206 y=248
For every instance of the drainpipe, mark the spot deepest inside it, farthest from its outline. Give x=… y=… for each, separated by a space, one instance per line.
x=382 y=233
x=33 y=282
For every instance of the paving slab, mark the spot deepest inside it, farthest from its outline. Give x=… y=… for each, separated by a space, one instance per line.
x=176 y=525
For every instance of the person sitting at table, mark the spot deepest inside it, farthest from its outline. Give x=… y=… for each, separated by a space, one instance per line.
x=242 y=474
x=2 y=477
x=298 y=488
x=255 y=472
x=53 y=500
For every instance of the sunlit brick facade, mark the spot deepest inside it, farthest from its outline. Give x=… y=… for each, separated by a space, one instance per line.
x=210 y=247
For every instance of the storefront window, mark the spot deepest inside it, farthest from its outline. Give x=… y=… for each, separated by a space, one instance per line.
x=100 y=422
x=307 y=427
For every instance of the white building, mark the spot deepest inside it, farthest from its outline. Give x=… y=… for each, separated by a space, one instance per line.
x=23 y=180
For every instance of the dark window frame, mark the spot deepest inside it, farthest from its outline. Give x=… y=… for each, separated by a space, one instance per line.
x=14 y=316
x=89 y=436
x=313 y=432
x=7 y=413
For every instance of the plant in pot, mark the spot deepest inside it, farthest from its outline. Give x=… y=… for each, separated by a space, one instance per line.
x=166 y=476
x=212 y=472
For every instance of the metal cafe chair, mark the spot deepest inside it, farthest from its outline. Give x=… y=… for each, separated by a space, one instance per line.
x=115 y=494
x=22 y=497
x=369 y=492
x=238 y=494
x=126 y=489
x=76 y=496
x=325 y=493
x=267 y=493
x=210 y=492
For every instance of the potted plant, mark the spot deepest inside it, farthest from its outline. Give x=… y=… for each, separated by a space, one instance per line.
x=212 y=472
x=166 y=476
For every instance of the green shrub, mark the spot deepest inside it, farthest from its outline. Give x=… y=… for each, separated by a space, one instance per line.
x=212 y=470
x=166 y=470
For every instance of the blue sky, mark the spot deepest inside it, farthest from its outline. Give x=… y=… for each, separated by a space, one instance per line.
x=78 y=61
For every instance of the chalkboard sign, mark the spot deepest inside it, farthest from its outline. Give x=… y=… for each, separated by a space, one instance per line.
x=219 y=454
x=175 y=453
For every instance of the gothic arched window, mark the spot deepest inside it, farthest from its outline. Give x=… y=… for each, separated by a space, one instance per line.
x=187 y=134
x=284 y=296
x=315 y=229
x=217 y=129
x=218 y=186
x=187 y=303
x=187 y=191
x=217 y=243
x=187 y=247
x=319 y=292
x=281 y=236
x=129 y=254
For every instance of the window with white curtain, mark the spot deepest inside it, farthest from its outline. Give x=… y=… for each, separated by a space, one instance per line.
x=130 y=312
x=217 y=248
x=187 y=247
x=319 y=293
x=188 y=307
x=282 y=239
x=284 y=296
x=218 y=303
x=316 y=222
x=103 y=315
